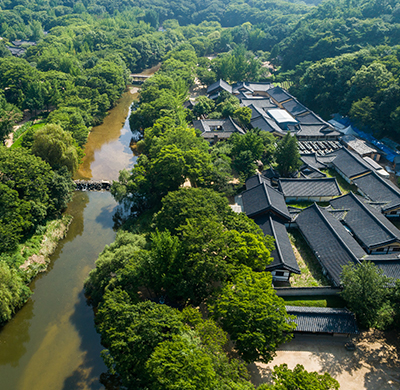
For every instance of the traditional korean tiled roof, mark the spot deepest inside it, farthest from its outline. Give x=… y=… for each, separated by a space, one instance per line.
x=262 y=199
x=256 y=111
x=323 y=320
x=370 y=227
x=255 y=180
x=311 y=118
x=311 y=130
x=311 y=173
x=279 y=94
x=379 y=190
x=219 y=84
x=267 y=124
x=389 y=264
x=350 y=163
x=294 y=107
x=311 y=160
x=223 y=128
x=329 y=240
x=283 y=255
x=261 y=102
x=358 y=145
x=323 y=187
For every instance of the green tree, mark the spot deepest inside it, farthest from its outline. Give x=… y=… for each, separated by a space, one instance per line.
x=203 y=106
x=13 y=292
x=300 y=379
x=9 y=115
x=287 y=155
x=131 y=333
x=253 y=315
x=243 y=116
x=365 y=291
x=56 y=147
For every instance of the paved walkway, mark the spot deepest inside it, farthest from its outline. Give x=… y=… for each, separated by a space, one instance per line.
x=374 y=365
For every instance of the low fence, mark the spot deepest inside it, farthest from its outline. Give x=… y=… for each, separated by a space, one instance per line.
x=306 y=291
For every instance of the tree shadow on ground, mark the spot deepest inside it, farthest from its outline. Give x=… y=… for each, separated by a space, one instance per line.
x=375 y=351
x=259 y=374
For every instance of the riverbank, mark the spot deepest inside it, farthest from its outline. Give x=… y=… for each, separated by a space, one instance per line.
x=38 y=249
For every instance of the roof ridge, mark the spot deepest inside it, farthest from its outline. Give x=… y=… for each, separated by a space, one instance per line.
x=364 y=206
x=335 y=232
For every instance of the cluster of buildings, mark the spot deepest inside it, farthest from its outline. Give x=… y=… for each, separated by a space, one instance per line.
x=349 y=228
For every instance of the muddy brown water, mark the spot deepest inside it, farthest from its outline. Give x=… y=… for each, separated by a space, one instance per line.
x=51 y=343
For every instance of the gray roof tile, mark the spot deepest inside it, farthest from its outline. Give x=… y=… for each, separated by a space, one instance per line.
x=309 y=187
x=350 y=163
x=323 y=320
x=329 y=240
x=263 y=198
x=379 y=190
x=283 y=255
x=368 y=225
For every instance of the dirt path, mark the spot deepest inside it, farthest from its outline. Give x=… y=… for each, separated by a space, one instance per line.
x=374 y=365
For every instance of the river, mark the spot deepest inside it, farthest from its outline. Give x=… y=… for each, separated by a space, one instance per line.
x=51 y=343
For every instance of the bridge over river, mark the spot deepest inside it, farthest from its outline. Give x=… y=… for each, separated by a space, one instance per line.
x=92 y=185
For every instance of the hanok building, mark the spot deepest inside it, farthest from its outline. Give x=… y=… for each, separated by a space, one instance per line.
x=284 y=261
x=214 y=130
x=315 y=190
x=265 y=200
x=215 y=89
x=332 y=245
x=255 y=180
x=374 y=232
x=381 y=192
x=323 y=320
x=251 y=89
x=389 y=264
x=361 y=147
x=348 y=164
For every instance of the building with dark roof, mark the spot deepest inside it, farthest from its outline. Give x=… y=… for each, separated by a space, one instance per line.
x=333 y=246
x=215 y=89
x=265 y=123
x=381 y=191
x=279 y=95
x=349 y=164
x=311 y=160
x=255 y=180
x=214 y=130
x=389 y=264
x=284 y=262
x=294 y=107
x=304 y=189
x=311 y=173
x=372 y=230
x=263 y=199
x=361 y=147
x=323 y=320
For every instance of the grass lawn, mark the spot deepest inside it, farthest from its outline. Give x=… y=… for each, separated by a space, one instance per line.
x=334 y=301
x=19 y=134
x=304 y=205
x=311 y=271
x=343 y=185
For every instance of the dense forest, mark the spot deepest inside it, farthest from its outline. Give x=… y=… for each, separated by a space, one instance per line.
x=66 y=63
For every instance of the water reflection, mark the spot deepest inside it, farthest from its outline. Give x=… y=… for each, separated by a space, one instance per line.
x=15 y=336
x=107 y=150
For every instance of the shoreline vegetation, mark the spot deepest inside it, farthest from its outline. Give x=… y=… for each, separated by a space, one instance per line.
x=39 y=254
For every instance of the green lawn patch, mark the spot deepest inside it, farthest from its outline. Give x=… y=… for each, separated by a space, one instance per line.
x=304 y=205
x=345 y=187
x=311 y=271
x=334 y=301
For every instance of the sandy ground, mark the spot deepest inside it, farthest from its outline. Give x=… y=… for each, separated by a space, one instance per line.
x=374 y=365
